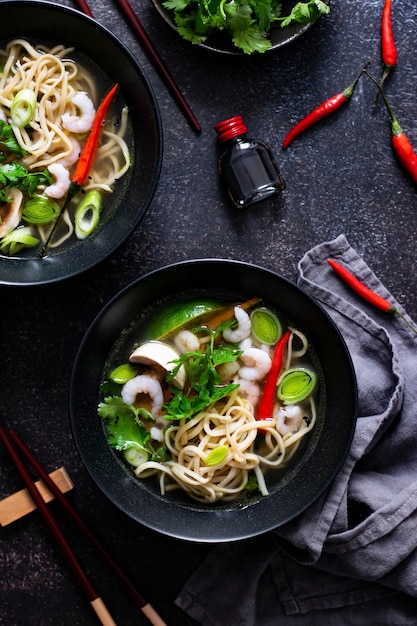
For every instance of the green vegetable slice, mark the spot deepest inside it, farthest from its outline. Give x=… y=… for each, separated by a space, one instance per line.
x=265 y=326
x=216 y=456
x=17 y=240
x=296 y=384
x=87 y=215
x=123 y=373
x=175 y=316
x=23 y=108
x=40 y=210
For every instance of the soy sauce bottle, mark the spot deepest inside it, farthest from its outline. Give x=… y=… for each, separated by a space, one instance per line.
x=246 y=166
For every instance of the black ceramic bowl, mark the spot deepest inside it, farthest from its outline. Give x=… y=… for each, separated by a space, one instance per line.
x=113 y=332
x=42 y=22
x=222 y=42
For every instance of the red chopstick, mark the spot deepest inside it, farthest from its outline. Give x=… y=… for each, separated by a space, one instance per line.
x=95 y=600
x=144 y=605
x=153 y=54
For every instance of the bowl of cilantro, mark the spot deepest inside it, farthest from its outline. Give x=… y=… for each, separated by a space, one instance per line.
x=246 y=27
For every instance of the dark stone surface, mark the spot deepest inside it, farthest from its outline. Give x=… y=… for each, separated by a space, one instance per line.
x=341 y=177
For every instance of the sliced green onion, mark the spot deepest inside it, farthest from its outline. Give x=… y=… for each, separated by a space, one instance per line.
x=296 y=384
x=40 y=210
x=87 y=214
x=123 y=373
x=135 y=457
x=17 y=240
x=23 y=108
x=265 y=326
x=217 y=455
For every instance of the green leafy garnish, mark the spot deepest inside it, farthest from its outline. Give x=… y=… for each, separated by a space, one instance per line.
x=9 y=142
x=248 y=22
x=204 y=383
x=16 y=175
x=125 y=429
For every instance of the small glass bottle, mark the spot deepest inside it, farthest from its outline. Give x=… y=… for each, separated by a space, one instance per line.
x=247 y=166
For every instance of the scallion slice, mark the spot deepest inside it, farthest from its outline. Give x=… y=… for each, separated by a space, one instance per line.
x=265 y=326
x=23 y=108
x=40 y=210
x=87 y=214
x=17 y=240
x=296 y=384
x=123 y=373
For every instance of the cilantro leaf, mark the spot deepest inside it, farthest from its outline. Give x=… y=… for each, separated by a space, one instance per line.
x=125 y=429
x=16 y=175
x=9 y=141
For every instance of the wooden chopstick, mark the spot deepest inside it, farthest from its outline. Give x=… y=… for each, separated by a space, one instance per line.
x=153 y=54
x=95 y=600
x=144 y=605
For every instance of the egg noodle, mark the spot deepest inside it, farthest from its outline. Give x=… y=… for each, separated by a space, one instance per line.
x=55 y=79
x=231 y=423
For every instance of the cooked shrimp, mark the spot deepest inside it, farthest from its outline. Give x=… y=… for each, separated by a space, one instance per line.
x=3 y=117
x=83 y=122
x=228 y=370
x=186 y=341
x=73 y=156
x=235 y=335
x=147 y=385
x=250 y=390
x=62 y=183
x=256 y=364
x=289 y=418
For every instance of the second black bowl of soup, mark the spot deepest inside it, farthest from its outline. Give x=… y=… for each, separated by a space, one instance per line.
x=225 y=297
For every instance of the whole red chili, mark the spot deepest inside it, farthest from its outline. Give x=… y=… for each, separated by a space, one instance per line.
x=400 y=142
x=367 y=294
x=323 y=110
x=85 y=160
x=362 y=290
x=266 y=403
x=389 y=51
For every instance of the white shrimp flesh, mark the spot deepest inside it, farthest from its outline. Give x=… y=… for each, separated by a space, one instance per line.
x=61 y=183
x=3 y=117
x=186 y=341
x=289 y=418
x=242 y=331
x=83 y=122
x=250 y=390
x=256 y=364
x=144 y=384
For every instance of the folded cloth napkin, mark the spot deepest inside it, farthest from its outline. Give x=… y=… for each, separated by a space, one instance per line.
x=351 y=558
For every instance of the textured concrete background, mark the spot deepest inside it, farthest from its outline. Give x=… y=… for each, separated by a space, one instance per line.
x=341 y=177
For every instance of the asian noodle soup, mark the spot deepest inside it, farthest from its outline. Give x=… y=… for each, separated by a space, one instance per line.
x=49 y=99
x=211 y=397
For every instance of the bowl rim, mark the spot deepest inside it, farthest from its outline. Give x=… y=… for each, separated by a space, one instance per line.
x=190 y=522
x=31 y=271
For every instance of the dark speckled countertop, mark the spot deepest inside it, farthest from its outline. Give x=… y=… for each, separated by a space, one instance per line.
x=341 y=177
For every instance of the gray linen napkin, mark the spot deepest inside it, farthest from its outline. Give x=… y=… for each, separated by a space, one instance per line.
x=357 y=543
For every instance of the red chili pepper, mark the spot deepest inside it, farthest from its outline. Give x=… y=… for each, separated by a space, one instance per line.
x=389 y=51
x=85 y=160
x=266 y=403
x=89 y=150
x=367 y=294
x=400 y=142
x=323 y=110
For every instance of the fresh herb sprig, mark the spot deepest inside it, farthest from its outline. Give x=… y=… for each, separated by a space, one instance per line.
x=16 y=175
x=204 y=386
x=247 y=21
x=9 y=142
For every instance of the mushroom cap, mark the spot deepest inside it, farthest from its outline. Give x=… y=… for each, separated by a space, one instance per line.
x=160 y=356
x=10 y=212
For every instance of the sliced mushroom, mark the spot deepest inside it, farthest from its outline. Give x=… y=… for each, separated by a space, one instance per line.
x=11 y=212
x=160 y=356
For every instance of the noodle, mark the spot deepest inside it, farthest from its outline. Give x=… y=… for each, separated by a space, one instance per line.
x=55 y=78
x=231 y=424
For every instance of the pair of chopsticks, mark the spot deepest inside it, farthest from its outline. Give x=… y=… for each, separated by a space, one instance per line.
x=144 y=39
x=14 y=445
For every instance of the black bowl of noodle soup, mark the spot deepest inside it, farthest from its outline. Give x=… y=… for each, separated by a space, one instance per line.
x=141 y=316
x=127 y=165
